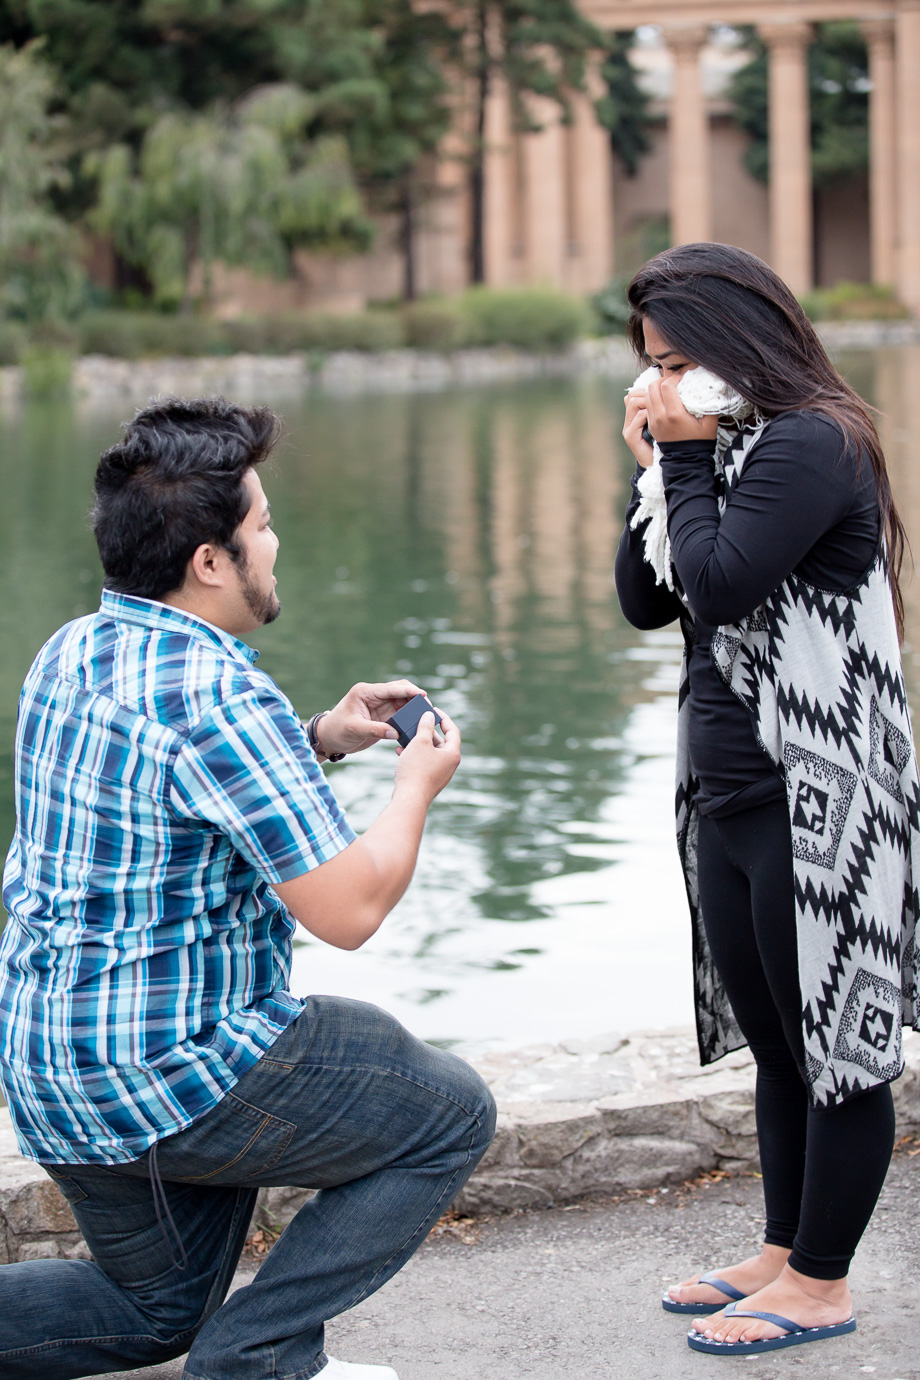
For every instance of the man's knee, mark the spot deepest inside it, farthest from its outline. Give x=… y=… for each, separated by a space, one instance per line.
x=377 y=1036
x=469 y=1091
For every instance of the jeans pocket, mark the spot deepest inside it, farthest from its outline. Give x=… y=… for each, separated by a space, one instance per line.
x=69 y=1189
x=235 y=1143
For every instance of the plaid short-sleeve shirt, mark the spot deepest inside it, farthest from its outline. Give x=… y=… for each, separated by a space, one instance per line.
x=163 y=783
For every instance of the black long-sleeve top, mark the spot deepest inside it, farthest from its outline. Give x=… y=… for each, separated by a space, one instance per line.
x=803 y=503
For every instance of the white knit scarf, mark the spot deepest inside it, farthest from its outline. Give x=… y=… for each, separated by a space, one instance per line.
x=703 y=395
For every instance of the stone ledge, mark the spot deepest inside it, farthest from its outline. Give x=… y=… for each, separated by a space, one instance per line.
x=868 y=335
x=99 y=380
x=597 y=1116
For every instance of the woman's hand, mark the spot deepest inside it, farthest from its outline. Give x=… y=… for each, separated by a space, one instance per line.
x=636 y=420
x=669 y=420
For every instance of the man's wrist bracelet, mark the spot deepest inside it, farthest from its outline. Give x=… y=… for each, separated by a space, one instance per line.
x=314 y=742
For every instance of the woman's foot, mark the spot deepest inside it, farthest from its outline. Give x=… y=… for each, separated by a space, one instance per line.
x=803 y=1300
x=748 y=1277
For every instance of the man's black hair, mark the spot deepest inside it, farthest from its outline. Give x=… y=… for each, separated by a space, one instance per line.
x=174 y=483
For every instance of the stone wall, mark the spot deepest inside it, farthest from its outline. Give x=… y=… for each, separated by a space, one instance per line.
x=586 y=1117
x=104 y=382
x=98 y=380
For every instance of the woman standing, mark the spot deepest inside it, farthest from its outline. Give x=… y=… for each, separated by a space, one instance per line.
x=798 y=798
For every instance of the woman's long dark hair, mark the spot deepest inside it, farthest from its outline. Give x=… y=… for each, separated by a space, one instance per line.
x=725 y=309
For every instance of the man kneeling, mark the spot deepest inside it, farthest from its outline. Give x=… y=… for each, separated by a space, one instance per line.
x=172 y=825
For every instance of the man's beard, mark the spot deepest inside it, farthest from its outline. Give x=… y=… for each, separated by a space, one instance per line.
x=263 y=605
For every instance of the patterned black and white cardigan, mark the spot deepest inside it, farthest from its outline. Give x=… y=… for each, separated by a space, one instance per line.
x=821 y=675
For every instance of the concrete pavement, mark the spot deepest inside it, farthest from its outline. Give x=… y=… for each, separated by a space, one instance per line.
x=572 y=1294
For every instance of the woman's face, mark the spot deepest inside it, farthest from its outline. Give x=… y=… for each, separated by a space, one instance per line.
x=671 y=362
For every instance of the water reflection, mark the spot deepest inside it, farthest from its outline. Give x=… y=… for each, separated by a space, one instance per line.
x=466 y=539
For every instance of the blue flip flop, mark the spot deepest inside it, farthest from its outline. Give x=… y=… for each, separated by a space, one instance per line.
x=795 y=1334
x=702 y=1310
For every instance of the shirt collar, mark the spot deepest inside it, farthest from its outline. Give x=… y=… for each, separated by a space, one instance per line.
x=150 y=613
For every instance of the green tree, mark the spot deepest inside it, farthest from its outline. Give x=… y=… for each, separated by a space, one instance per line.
x=838 y=72
x=624 y=108
x=40 y=276
x=374 y=70
x=394 y=147
x=241 y=184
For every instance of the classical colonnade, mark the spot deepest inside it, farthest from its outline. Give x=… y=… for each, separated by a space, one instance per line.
x=549 y=195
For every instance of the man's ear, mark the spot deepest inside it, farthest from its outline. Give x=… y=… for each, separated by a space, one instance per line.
x=208 y=565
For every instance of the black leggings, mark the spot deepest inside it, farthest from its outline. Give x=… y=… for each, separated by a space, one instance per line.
x=823 y=1168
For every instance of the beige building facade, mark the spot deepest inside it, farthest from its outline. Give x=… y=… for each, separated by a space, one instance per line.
x=695 y=172
x=560 y=209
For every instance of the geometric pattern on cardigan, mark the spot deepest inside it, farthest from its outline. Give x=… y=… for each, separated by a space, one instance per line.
x=820 y=674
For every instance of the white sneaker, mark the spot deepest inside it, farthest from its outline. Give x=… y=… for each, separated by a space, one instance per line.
x=347 y=1370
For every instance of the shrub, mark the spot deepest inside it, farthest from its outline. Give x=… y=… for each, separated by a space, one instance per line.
x=853 y=302
x=366 y=330
x=134 y=335
x=314 y=331
x=12 y=342
x=531 y=318
x=434 y=325
x=611 y=307
x=47 y=370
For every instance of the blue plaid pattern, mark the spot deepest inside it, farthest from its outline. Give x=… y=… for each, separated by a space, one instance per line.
x=163 y=783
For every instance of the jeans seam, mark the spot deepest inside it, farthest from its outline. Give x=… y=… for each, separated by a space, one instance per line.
x=392 y=1073
x=97 y=1341
x=370 y=1286
x=207 y=1311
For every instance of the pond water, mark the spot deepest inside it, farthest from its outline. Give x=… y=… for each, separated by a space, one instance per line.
x=466 y=539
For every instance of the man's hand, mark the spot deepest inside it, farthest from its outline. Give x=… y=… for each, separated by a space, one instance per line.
x=359 y=719
x=669 y=420
x=426 y=764
x=344 y=900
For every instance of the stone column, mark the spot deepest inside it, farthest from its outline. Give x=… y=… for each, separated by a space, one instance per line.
x=590 y=192
x=544 y=190
x=879 y=35
x=499 y=190
x=791 y=220
x=690 y=173
x=907 y=96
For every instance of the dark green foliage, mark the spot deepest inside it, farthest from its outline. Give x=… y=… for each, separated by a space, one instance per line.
x=624 y=109
x=137 y=335
x=539 y=319
x=839 y=70
x=611 y=307
x=434 y=325
x=12 y=342
x=40 y=273
x=854 y=302
x=839 y=83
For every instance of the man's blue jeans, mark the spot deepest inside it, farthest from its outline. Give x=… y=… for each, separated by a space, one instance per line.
x=347 y=1102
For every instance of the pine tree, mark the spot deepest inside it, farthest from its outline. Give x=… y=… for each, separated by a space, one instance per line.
x=624 y=108
x=540 y=48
